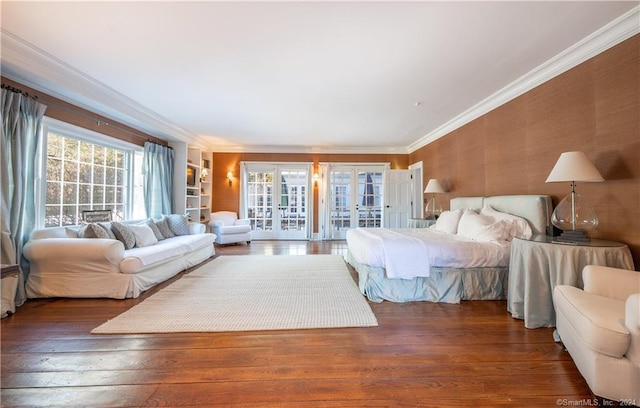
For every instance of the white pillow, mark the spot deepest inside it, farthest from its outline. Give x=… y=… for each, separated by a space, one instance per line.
x=519 y=227
x=482 y=228
x=144 y=235
x=448 y=221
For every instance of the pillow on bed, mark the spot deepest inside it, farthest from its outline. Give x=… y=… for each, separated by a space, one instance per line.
x=519 y=227
x=448 y=221
x=482 y=228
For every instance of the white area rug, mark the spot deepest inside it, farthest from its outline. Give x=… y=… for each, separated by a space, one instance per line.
x=255 y=292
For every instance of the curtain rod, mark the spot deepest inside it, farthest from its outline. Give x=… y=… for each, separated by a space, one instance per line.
x=19 y=91
x=58 y=105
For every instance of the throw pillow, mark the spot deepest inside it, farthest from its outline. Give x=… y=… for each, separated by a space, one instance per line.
x=143 y=234
x=448 y=221
x=156 y=231
x=519 y=227
x=92 y=231
x=164 y=229
x=178 y=223
x=107 y=227
x=481 y=228
x=123 y=234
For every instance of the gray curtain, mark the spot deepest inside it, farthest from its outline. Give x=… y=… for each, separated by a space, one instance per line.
x=21 y=137
x=158 y=179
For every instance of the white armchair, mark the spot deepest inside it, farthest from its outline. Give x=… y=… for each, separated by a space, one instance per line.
x=600 y=328
x=229 y=229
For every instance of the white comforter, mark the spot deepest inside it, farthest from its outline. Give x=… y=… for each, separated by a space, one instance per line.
x=409 y=253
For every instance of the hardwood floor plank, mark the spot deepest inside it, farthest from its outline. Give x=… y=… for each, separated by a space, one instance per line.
x=421 y=354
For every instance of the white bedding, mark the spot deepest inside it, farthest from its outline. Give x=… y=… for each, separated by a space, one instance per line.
x=410 y=253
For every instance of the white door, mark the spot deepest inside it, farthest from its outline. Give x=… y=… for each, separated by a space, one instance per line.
x=417 y=194
x=397 y=198
x=275 y=198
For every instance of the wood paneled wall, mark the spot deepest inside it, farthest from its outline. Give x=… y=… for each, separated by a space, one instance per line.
x=227 y=198
x=594 y=107
x=66 y=112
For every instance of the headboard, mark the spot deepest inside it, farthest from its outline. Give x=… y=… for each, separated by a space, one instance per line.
x=534 y=208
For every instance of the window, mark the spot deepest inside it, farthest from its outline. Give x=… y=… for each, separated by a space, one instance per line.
x=84 y=170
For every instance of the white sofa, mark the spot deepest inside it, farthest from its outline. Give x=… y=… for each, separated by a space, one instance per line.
x=64 y=265
x=229 y=229
x=600 y=328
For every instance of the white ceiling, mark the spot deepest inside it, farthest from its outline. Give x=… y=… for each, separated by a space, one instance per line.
x=289 y=76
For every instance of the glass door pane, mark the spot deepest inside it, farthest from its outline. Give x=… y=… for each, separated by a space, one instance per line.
x=369 y=202
x=293 y=203
x=340 y=188
x=260 y=203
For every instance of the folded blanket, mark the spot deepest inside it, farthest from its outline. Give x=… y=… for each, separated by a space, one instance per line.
x=403 y=255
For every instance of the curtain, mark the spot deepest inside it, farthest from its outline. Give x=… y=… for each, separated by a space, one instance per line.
x=158 y=179
x=21 y=137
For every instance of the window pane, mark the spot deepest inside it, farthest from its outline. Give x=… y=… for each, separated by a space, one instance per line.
x=69 y=191
x=54 y=169
x=110 y=159
x=98 y=154
x=70 y=149
x=70 y=172
x=54 y=145
x=111 y=176
x=53 y=193
x=98 y=195
x=98 y=175
x=52 y=216
x=85 y=173
x=85 y=194
x=69 y=215
x=86 y=152
x=110 y=195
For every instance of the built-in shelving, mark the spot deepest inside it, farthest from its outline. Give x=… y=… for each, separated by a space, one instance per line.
x=192 y=195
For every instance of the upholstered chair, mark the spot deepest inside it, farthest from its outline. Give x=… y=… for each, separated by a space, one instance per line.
x=229 y=229
x=600 y=328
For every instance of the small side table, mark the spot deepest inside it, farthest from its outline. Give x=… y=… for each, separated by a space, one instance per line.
x=9 y=276
x=420 y=223
x=539 y=264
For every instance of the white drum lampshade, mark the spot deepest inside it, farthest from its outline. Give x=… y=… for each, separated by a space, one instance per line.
x=573 y=215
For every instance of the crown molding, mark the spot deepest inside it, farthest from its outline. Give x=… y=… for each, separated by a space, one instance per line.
x=25 y=63
x=620 y=29
x=218 y=148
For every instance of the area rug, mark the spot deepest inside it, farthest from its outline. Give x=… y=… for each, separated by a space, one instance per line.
x=254 y=292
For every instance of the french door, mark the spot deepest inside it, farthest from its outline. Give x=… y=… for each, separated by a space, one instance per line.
x=353 y=197
x=276 y=199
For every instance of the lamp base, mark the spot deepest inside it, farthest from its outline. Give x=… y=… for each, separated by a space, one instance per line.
x=572 y=236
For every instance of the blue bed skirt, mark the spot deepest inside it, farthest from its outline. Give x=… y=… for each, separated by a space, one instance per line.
x=448 y=285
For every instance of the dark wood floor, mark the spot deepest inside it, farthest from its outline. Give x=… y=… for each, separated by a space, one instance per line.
x=421 y=354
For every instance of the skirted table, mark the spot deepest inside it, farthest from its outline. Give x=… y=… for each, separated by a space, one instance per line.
x=539 y=264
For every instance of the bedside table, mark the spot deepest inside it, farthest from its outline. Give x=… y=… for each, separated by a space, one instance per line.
x=9 y=275
x=420 y=223
x=538 y=264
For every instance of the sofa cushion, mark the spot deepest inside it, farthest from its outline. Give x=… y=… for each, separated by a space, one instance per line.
x=123 y=234
x=235 y=229
x=179 y=223
x=139 y=259
x=599 y=320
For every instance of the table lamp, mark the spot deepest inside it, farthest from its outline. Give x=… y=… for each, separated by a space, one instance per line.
x=573 y=215
x=433 y=209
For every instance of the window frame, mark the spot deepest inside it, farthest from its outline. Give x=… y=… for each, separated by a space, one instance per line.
x=72 y=131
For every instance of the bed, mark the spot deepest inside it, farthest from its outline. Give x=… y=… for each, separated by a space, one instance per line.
x=429 y=264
